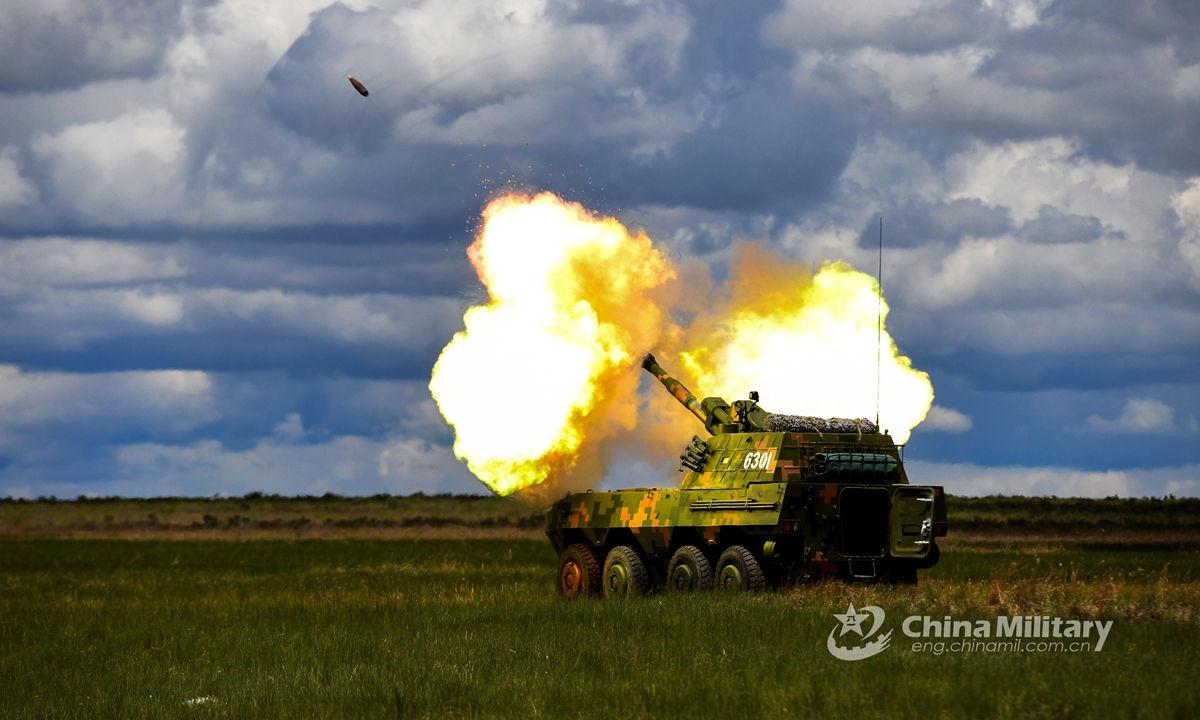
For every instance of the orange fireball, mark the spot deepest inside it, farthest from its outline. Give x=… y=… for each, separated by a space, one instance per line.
x=567 y=313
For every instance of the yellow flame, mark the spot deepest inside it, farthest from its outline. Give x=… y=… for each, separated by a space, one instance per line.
x=539 y=368
x=542 y=384
x=806 y=343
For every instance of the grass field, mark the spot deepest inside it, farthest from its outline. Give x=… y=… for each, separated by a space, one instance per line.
x=471 y=627
x=267 y=516
x=262 y=516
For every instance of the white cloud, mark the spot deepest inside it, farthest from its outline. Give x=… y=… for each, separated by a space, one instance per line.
x=944 y=87
x=39 y=262
x=178 y=400
x=945 y=419
x=1001 y=289
x=291 y=430
x=129 y=168
x=1024 y=176
x=346 y=464
x=1142 y=416
x=1059 y=327
x=154 y=308
x=975 y=480
x=1020 y=14
x=1187 y=83
x=1187 y=207
x=826 y=22
x=472 y=49
x=393 y=319
x=70 y=435
x=14 y=189
x=416 y=463
x=71 y=317
x=227 y=48
x=1188 y=487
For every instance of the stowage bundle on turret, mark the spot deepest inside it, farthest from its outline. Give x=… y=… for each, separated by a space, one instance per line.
x=806 y=424
x=768 y=497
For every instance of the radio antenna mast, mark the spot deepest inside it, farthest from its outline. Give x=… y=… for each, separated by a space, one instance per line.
x=879 y=328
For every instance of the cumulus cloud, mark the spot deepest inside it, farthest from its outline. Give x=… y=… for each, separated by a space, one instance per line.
x=63 y=262
x=1141 y=416
x=152 y=309
x=500 y=64
x=227 y=304
x=283 y=465
x=975 y=480
x=945 y=419
x=14 y=189
x=199 y=433
x=173 y=400
x=1186 y=204
x=291 y=429
x=842 y=25
x=130 y=167
x=1016 y=248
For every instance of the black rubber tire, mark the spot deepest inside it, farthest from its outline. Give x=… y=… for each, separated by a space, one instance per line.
x=696 y=571
x=625 y=574
x=578 y=573
x=739 y=571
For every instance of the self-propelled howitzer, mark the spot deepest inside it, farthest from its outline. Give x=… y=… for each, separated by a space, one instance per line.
x=766 y=498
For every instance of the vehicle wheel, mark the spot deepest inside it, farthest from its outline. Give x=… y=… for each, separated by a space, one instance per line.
x=625 y=574
x=737 y=570
x=689 y=570
x=578 y=573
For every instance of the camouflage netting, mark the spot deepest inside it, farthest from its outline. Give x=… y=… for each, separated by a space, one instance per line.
x=804 y=423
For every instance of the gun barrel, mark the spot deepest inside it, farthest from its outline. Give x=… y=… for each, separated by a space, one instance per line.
x=676 y=388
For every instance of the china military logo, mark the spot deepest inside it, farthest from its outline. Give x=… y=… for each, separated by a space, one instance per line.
x=853 y=623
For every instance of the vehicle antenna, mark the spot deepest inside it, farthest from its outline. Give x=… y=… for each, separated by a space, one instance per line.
x=879 y=328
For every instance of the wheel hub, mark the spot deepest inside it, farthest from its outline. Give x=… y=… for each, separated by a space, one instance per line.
x=617 y=579
x=683 y=579
x=570 y=578
x=731 y=578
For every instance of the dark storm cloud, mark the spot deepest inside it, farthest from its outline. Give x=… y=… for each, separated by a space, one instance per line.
x=1054 y=226
x=700 y=123
x=56 y=46
x=918 y=224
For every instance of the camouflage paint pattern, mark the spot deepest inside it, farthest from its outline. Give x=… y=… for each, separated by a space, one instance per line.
x=764 y=491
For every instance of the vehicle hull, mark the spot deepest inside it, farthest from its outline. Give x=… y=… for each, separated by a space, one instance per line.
x=792 y=528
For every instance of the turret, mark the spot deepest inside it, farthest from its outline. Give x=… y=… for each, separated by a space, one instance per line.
x=719 y=417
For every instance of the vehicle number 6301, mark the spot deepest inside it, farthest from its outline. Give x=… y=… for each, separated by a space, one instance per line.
x=758 y=460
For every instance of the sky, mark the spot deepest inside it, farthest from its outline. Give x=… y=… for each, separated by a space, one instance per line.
x=224 y=271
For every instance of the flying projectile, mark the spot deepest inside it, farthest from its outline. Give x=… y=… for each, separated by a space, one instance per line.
x=362 y=89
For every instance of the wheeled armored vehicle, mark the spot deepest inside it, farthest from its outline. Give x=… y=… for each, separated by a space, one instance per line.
x=768 y=498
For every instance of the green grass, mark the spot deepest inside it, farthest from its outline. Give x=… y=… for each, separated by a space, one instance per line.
x=258 y=515
x=1087 y=515
x=472 y=628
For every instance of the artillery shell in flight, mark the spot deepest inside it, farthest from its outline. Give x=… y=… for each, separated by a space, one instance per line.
x=362 y=89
